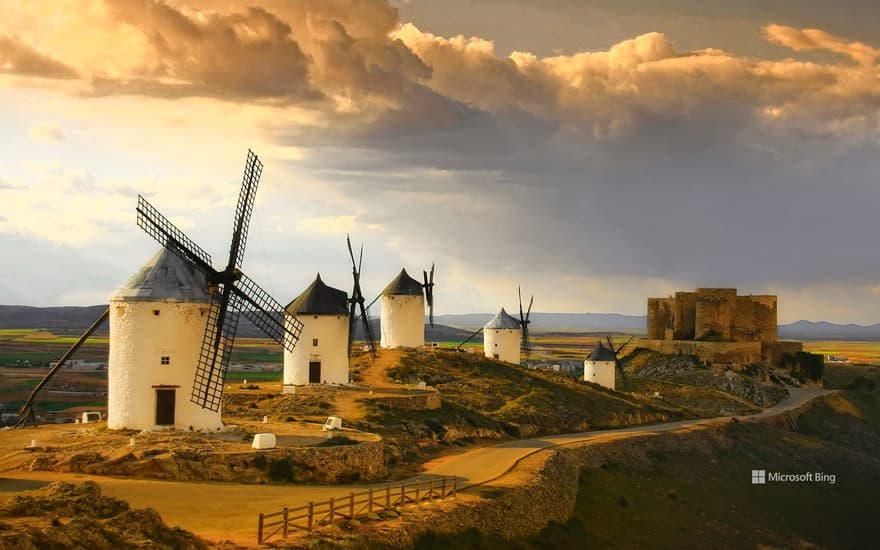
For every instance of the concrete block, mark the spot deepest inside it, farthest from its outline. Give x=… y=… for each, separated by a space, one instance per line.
x=264 y=441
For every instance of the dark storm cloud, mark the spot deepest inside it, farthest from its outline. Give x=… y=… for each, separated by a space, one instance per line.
x=17 y=57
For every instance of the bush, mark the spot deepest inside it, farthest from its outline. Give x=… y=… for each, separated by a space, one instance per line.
x=338 y=441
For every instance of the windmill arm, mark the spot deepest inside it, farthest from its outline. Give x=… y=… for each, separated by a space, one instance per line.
x=469 y=338
x=27 y=408
x=216 y=350
x=253 y=168
x=267 y=313
x=168 y=235
x=368 y=330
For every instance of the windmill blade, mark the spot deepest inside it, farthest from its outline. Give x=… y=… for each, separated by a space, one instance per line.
x=351 y=325
x=253 y=168
x=620 y=349
x=157 y=226
x=429 y=293
x=527 y=346
x=376 y=299
x=223 y=315
x=529 y=311
x=368 y=330
x=469 y=338
x=522 y=317
x=610 y=345
x=27 y=410
x=266 y=313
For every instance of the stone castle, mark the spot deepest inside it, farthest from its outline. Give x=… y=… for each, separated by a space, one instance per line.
x=718 y=326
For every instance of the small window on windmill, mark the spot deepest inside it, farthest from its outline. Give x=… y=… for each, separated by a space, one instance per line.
x=156 y=312
x=165 y=360
x=314 y=342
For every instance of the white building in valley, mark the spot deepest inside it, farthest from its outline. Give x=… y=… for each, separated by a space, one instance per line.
x=502 y=338
x=157 y=322
x=321 y=356
x=600 y=366
x=403 y=313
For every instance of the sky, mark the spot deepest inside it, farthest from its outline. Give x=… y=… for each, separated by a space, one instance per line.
x=594 y=152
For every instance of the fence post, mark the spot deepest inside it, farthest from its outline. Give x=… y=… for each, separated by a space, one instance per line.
x=454 y=486
x=284 y=529
x=260 y=530
x=388 y=496
x=351 y=506
x=370 y=505
x=311 y=515
x=332 y=509
x=431 y=489
x=402 y=494
x=443 y=488
x=418 y=491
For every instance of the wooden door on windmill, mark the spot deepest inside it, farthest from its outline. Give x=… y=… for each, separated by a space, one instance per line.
x=165 y=407
x=314 y=372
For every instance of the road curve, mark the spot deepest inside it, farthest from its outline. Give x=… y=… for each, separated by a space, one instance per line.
x=228 y=511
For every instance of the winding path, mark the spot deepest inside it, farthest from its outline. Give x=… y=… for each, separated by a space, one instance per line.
x=225 y=511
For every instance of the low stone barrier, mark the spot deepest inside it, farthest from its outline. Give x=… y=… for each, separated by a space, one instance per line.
x=363 y=461
x=422 y=401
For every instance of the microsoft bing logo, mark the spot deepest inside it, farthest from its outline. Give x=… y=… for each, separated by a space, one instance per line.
x=759 y=477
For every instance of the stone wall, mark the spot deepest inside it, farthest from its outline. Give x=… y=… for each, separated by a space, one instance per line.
x=775 y=351
x=714 y=352
x=659 y=317
x=714 y=313
x=334 y=464
x=684 y=310
x=422 y=401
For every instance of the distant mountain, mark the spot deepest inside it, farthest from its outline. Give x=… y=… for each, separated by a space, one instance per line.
x=547 y=322
x=822 y=330
x=64 y=318
x=447 y=327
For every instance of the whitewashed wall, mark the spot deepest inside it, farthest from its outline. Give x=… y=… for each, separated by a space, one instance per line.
x=600 y=372
x=403 y=321
x=332 y=350
x=138 y=339
x=505 y=342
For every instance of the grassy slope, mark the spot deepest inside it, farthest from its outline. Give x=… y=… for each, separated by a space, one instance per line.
x=484 y=399
x=697 y=500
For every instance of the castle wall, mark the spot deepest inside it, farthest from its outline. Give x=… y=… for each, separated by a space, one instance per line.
x=714 y=352
x=714 y=312
x=773 y=352
x=684 y=310
x=659 y=317
x=765 y=310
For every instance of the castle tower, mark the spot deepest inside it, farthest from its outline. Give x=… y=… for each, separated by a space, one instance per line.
x=403 y=313
x=321 y=357
x=502 y=338
x=157 y=323
x=600 y=367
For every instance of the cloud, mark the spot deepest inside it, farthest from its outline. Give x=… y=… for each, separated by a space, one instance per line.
x=815 y=39
x=17 y=57
x=46 y=132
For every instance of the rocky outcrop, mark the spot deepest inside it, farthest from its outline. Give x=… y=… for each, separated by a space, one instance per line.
x=67 y=516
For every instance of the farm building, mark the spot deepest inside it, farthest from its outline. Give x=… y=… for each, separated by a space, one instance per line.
x=157 y=322
x=403 y=313
x=600 y=366
x=502 y=338
x=321 y=357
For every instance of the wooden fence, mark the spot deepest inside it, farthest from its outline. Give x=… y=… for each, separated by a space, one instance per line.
x=353 y=506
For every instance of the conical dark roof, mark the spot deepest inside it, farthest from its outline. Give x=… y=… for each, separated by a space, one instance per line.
x=601 y=353
x=403 y=284
x=319 y=299
x=164 y=277
x=503 y=320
